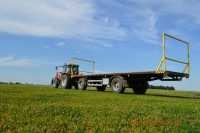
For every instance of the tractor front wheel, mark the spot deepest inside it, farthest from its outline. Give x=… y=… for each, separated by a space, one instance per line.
x=55 y=83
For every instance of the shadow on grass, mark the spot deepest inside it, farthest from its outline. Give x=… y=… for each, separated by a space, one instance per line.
x=156 y=95
x=172 y=96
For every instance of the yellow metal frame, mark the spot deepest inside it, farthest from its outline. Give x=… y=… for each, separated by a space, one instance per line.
x=74 y=59
x=162 y=67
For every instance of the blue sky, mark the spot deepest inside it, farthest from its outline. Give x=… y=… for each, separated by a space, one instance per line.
x=121 y=35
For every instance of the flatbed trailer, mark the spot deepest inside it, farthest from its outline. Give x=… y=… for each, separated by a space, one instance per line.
x=147 y=75
x=71 y=76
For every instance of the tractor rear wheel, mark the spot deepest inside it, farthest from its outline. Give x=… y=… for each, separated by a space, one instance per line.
x=82 y=84
x=101 y=88
x=117 y=85
x=76 y=86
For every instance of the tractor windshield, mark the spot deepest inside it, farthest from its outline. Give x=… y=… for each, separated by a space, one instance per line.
x=73 y=69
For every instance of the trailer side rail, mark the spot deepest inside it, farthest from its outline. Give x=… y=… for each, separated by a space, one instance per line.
x=162 y=67
x=93 y=63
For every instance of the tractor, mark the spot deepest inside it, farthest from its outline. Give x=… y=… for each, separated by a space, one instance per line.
x=63 y=76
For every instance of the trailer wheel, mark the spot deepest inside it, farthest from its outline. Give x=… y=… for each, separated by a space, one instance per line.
x=101 y=88
x=82 y=84
x=117 y=85
x=140 y=87
x=66 y=83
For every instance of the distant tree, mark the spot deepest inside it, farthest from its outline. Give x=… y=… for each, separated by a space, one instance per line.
x=3 y=83
x=17 y=83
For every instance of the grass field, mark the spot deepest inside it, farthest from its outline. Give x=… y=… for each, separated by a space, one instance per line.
x=28 y=108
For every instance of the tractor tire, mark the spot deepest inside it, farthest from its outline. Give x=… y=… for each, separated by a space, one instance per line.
x=55 y=83
x=66 y=83
x=82 y=84
x=140 y=87
x=101 y=88
x=76 y=86
x=117 y=85
x=52 y=82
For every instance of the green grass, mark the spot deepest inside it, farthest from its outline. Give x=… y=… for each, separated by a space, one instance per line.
x=26 y=108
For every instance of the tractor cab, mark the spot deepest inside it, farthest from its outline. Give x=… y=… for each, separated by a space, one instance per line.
x=71 y=69
x=64 y=71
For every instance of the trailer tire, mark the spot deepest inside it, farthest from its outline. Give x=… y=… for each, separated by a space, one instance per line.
x=117 y=85
x=101 y=88
x=66 y=83
x=82 y=84
x=140 y=87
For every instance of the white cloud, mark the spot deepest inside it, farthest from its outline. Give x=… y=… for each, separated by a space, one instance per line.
x=183 y=9
x=139 y=21
x=60 y=44
x=61 y=18
x=145 y=27
x=88 y=20
x=13 y=62
x=156 y=17
x=107 y=45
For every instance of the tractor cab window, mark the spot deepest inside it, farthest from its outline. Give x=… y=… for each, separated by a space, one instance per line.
x=75 y=69
x=69 y=69
x=65 y=69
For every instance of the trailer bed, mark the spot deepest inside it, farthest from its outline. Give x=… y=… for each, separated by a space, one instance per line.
x=149 y=75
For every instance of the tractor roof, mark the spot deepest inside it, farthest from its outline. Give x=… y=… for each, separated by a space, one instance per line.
x=71 y=64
